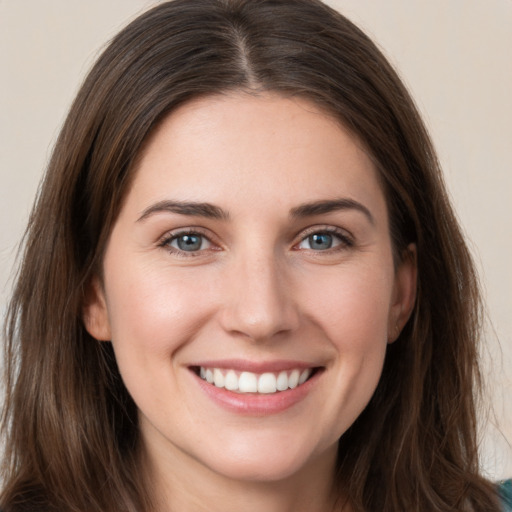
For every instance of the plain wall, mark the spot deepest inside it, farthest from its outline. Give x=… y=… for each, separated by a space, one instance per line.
x=455 y=56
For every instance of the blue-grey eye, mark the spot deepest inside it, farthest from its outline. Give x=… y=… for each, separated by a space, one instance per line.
x=189 y=242
x=321 y=241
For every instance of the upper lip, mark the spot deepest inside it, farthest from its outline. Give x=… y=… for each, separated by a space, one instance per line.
x=244 y=365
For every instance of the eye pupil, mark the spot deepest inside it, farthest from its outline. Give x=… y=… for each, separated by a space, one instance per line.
x=189 y=242
x=320 y=241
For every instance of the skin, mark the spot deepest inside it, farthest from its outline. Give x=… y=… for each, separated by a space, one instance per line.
x=257 y=290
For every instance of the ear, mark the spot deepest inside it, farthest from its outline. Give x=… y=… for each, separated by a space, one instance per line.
x=404 y=293
x=95 y=312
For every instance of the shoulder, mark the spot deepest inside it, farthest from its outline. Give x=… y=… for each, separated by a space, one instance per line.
x=505 y=490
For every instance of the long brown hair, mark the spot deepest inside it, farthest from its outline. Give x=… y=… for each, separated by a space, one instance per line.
x=71 y=427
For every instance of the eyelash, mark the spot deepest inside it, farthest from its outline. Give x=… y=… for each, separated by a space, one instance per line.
x=344 y=239
x=166 y=241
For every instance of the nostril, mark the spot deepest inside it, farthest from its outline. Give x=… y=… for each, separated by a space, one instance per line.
x=258 y=302
x=260 y=325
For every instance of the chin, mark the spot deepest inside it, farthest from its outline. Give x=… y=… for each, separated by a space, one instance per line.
x=256 y=462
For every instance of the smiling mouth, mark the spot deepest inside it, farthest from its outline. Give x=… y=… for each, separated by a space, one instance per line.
x=249 y=382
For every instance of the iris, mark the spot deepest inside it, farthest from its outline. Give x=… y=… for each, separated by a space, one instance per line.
x=189 y=242
x=320 y=241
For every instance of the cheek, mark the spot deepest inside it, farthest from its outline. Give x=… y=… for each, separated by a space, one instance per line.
x=352 y=305
x=352 y=309
x=356 y=323
x=153 y=312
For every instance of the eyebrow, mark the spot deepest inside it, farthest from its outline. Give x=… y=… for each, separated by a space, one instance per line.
x=192 y=208
x=328 y=206
x=211 y=211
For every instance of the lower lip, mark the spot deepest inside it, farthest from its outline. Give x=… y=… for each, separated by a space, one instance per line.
x=258 y=404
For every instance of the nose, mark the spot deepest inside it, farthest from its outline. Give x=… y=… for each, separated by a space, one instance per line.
x=259 y=301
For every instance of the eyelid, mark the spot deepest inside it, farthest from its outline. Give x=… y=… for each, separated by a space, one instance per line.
x=165 y=240
x=346 y=238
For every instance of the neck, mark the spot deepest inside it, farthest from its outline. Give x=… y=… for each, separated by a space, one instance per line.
x=180 y=483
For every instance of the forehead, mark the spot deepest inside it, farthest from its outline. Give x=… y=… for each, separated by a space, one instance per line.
x=264 y=148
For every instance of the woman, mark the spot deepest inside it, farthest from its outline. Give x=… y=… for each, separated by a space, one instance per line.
x=243 y=285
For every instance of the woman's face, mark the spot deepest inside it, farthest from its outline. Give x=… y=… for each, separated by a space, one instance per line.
x=249 y=287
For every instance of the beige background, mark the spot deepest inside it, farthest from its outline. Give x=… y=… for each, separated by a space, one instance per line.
x=455 y=55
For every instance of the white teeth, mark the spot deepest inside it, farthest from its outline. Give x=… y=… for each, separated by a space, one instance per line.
x=293 y=379
x=267 y=383
x=231 y=381
x=282 y=381
x=248 y=382
x=218 y=378
x=304 y=376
